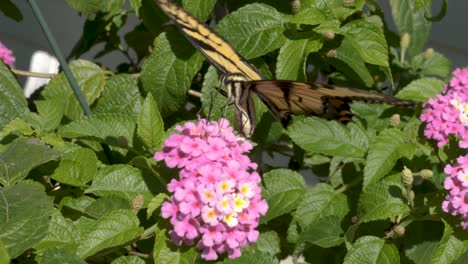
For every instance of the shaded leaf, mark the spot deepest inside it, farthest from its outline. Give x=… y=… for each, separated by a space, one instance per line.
x=113 y=129
x=76 y=168
x=21 y=156
x=166 y=253
x=422 y=89
x=13 y=103
x=370 y=249
x=128 y=260
x=293 y=55
x=150 y=127
x=317 y=135
x=117 y=228
x=389 y=146
x=60 y=255
x=325 y=232
x=155 y=203
x=168 y=72
x=411 y=22
x=24 y=216
x=436 y=65
x=120 y=96
x=320 y=201
x=90 y=78
x=253 y=30
x=62 y=234
x=368 y=40
x=122 y=180
x=449 y=249
x=284 y=189
x=383 y=200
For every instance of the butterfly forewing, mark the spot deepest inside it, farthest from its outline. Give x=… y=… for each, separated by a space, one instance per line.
x=218 y=51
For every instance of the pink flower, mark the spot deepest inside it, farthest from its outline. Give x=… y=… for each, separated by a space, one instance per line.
x=217 y=201
x=447 y=114
x=456 y=202
x=6 y=55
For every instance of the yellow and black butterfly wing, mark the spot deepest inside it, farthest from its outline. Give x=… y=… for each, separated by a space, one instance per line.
x=218 y=51
x=284 y=98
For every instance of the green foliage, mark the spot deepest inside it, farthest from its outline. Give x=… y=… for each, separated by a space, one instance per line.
x=86 y=189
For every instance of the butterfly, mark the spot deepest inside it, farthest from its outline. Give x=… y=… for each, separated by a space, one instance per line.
x=283 y=98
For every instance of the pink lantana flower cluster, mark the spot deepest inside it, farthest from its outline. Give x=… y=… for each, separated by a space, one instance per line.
x=216 y=201
x=448 y=112
x=456 y=201
x=6 y=55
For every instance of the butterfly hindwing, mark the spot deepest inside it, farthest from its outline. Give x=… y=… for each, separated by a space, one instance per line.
x=289 y=97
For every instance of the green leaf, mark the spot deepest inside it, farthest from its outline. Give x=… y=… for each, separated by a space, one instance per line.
x=136 y=5
x=317 y=135
x=113 y=129
x=308 y=16
x=121 y=180
x=389 y=146
x=150 y=127
x=168 y=72
x=117 y=228
x=201 y=9
x=18 y=127
x=268 y=242
x=4 y=257
x=76 y=168
x=293 y=55
x=24 y=216
x=79 y=204
x=253 y=257
x=12 y=101
x=155 y=203
x=383 y=200
x=91 y=8
x=90 y=78
x=372 y=114
x=128 y=260
x=59 y=255
x=422 y=89
x=284 y=189
x=253 y=30
x=62 y=233
x=320 y=201
x=449 y=249
x=334 y=9
x=10 y=10
x=370 y=249
x=120 y=96
x=368 y=40
x=213 y=102
x=437 y=64
x=411 y=22
x=21 y=156
x=166 y=253
x=420 y=4
x=346 y=53
x=326 y=232
x=48 y=117
x=104 y=205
